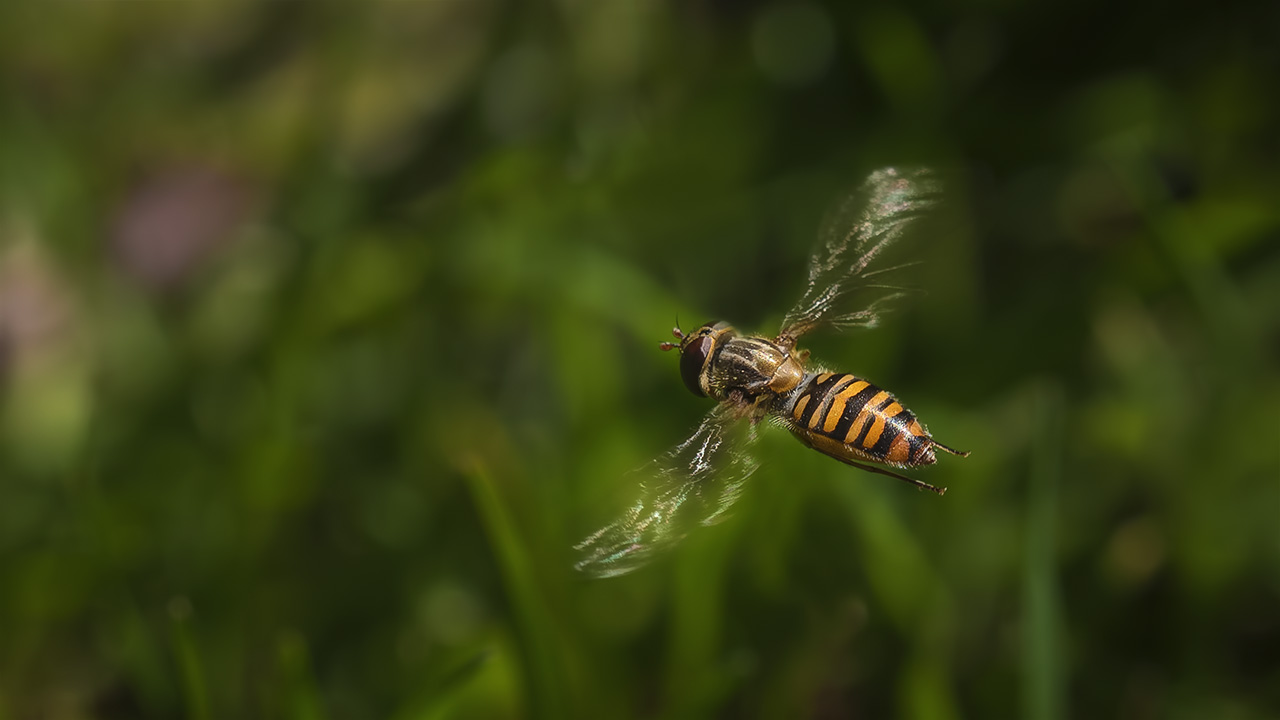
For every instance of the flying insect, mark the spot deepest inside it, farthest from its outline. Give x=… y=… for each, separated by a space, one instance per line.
x=753 y=378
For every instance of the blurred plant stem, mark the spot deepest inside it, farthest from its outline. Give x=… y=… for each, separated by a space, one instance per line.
x=1043 y=696
x=535 y=617
x=188 y=657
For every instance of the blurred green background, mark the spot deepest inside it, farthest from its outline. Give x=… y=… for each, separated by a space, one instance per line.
x=326 y=329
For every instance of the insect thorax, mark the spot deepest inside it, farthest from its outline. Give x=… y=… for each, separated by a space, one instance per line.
x=753 y=365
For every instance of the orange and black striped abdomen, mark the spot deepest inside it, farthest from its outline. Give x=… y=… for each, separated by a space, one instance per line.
x=849 y=418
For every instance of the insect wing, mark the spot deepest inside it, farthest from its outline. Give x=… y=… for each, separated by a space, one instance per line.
x=692 y=484
x=851 y=282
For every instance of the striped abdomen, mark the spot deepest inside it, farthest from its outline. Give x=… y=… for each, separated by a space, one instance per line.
x=848 y=418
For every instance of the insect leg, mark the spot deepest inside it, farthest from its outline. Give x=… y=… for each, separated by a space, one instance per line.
x=940 y=446
x=918 y=483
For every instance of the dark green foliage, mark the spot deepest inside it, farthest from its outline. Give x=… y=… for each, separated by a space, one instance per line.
x=327 y=329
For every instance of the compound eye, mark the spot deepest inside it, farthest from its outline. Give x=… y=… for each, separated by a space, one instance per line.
x=692 y=360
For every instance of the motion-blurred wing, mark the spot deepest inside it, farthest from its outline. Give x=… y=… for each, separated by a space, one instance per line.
x=692 y=484
x=850 y=281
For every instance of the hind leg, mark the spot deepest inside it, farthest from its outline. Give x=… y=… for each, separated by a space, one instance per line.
x=882 y=471
x=940 y=446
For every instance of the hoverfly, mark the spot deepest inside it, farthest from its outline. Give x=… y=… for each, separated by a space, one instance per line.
x=753 y=378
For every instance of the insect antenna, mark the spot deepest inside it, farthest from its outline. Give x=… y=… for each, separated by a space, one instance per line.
x=675 y=332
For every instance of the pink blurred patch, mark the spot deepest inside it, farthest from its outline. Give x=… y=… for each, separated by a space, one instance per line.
x=35 y=305
x=171 y=223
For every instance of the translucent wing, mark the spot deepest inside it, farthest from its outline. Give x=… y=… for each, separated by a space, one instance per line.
x=692 y=484
x=850 y=281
